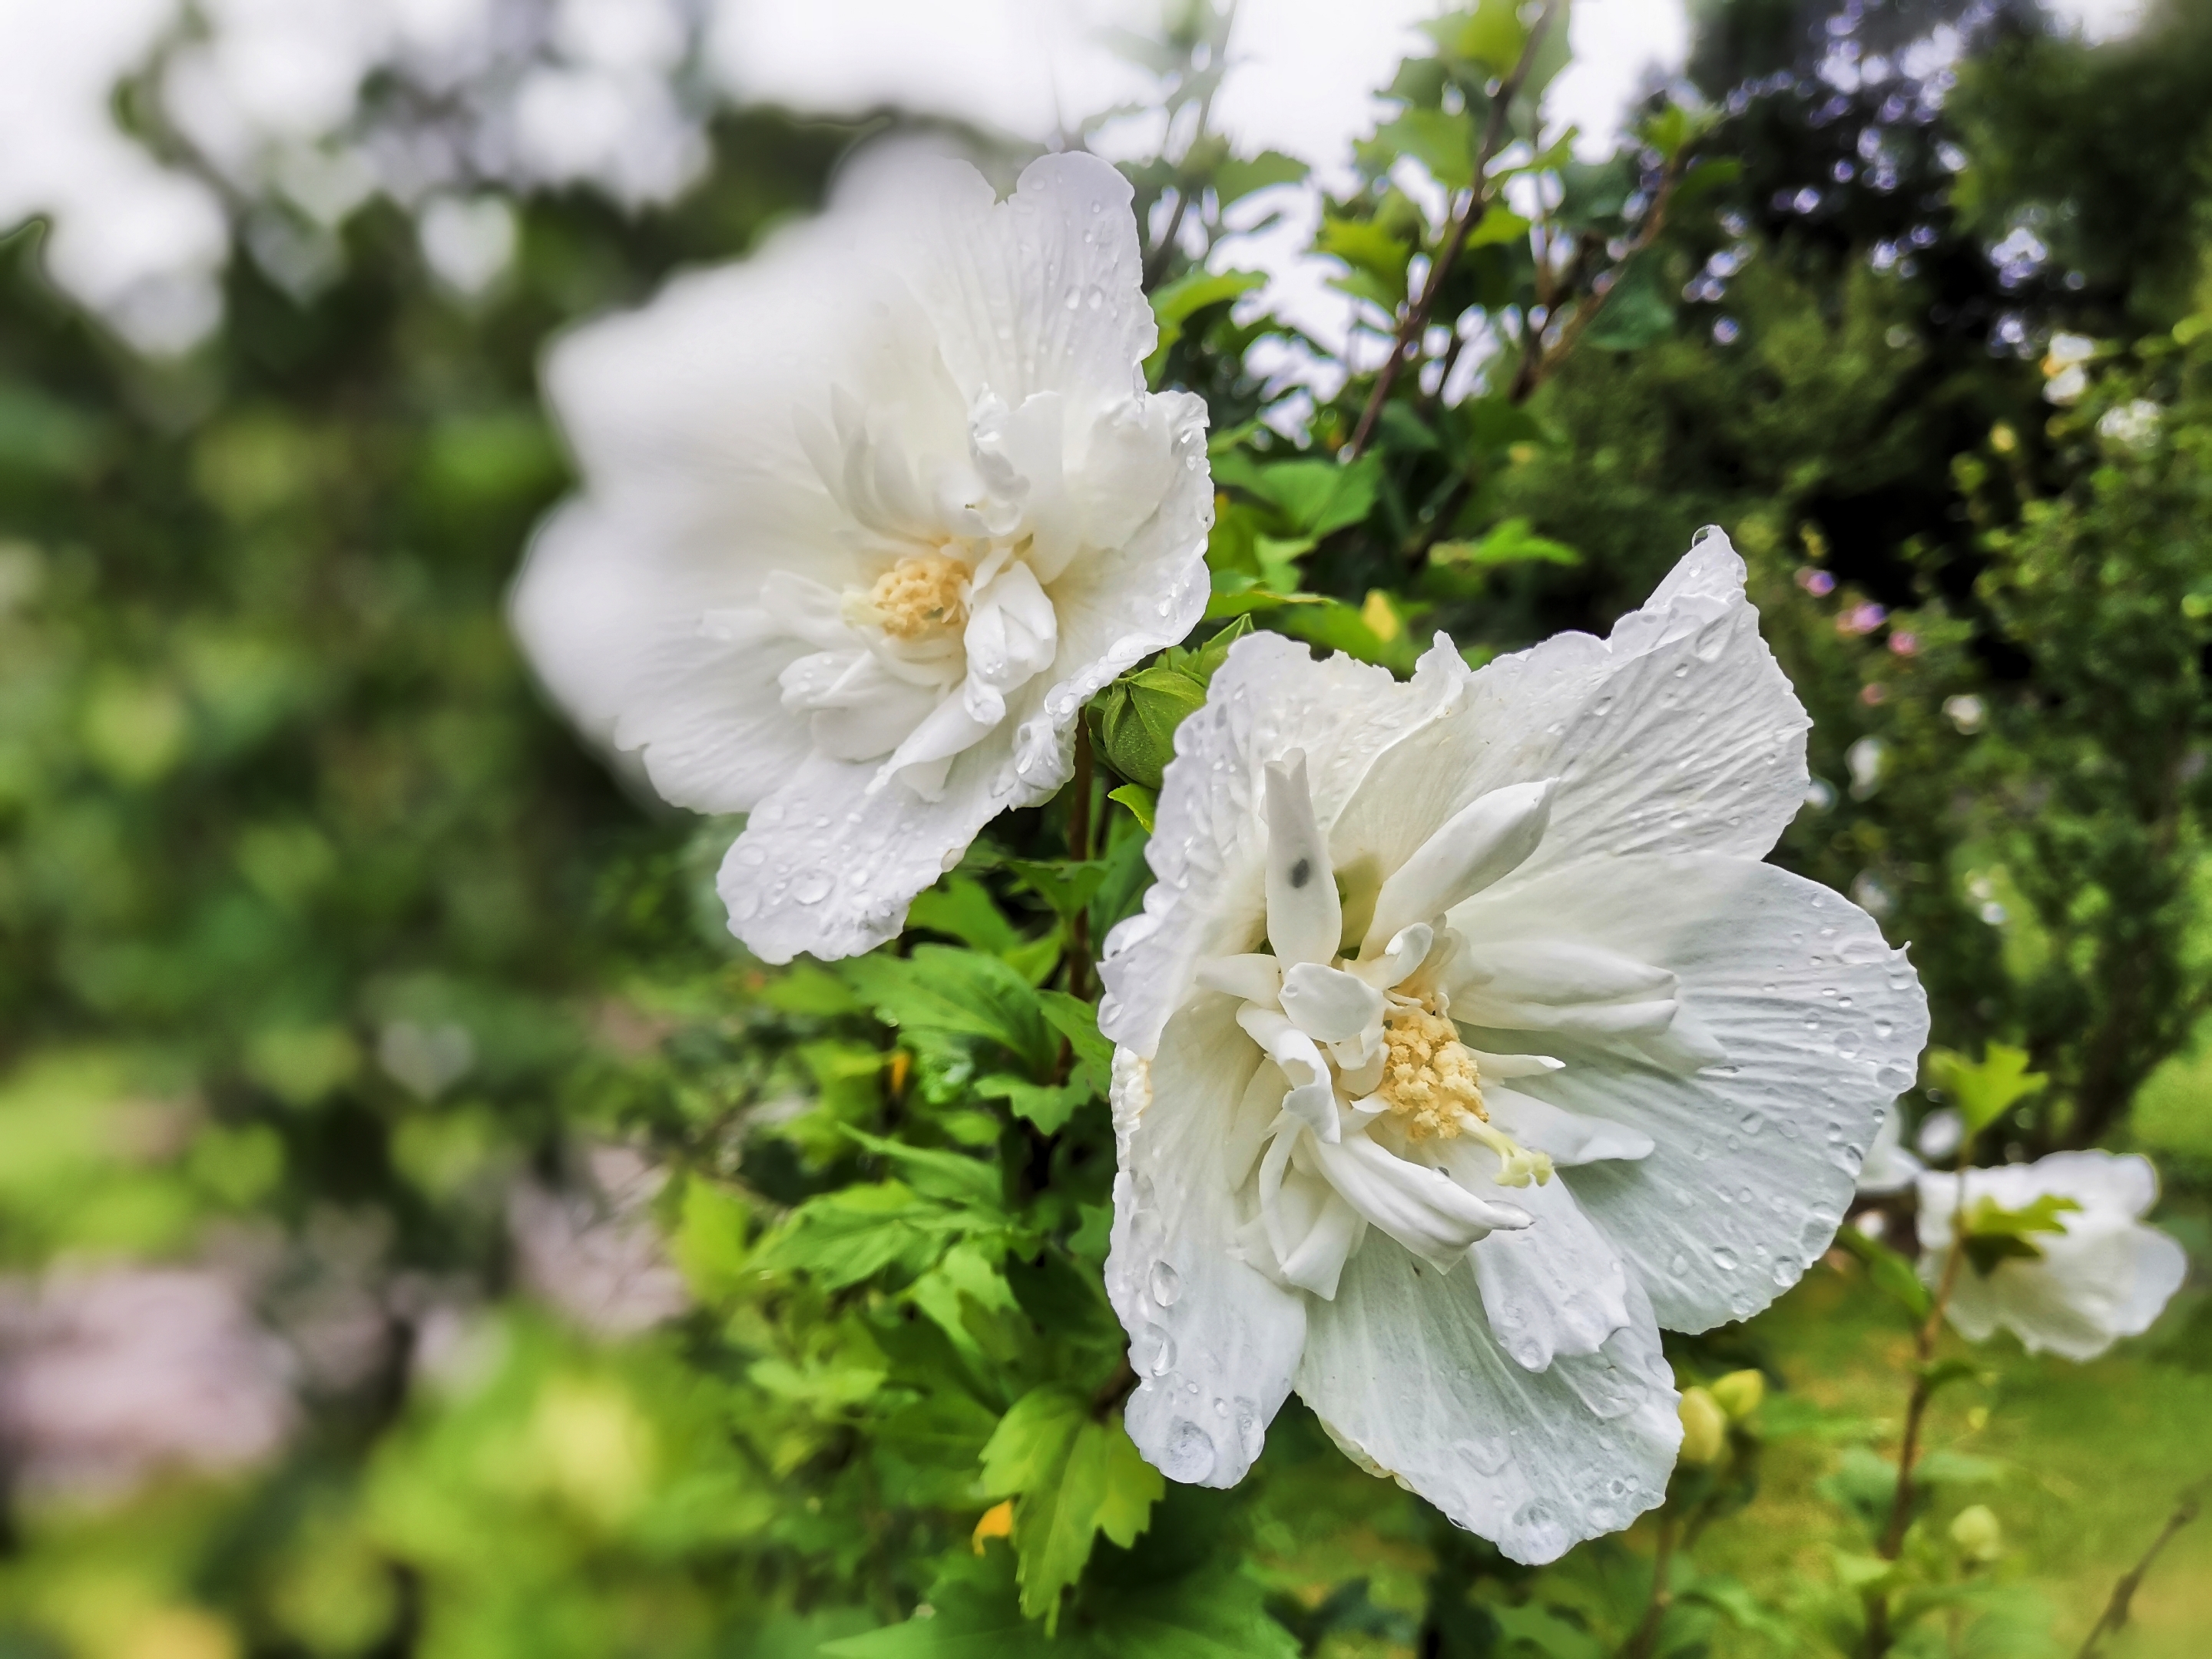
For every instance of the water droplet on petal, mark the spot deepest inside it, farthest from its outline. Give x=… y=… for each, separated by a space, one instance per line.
x=1189 y=1454
x=1167 y=1284
x=811 y=887
x=1724 y=1259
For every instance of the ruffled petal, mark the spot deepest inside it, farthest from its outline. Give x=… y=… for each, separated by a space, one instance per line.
x=1754 y=1159
x=1208 y=848
x=827 y=863
x=1404 y=1370
x=1212 y=1339
x=1678 y=733
x=1556 y=1287
x=1426 y=1210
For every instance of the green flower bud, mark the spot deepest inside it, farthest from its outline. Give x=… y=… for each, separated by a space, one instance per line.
x=1704 y=1429
x=1739 y=1393
x=1976 y=1531
x=1133 y=721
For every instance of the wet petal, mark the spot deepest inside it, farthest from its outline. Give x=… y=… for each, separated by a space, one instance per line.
x=1424 y=1209
x=1305 y=917
x=1329 y=1004
x=1484 y=841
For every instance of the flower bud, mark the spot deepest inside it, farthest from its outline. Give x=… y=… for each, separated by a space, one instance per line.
x=1134 y=720
x=1976 y=1531
x=1739 y=1393
x=1704 y=1429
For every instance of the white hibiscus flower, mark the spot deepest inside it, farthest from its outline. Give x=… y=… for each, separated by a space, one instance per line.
x=866 y=518
x=1484 y=966
x=2107 y=1276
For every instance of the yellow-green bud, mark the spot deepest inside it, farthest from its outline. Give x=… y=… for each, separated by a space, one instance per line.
x=1739 y=1393
x=1704 y=1428
x=1976 y=1531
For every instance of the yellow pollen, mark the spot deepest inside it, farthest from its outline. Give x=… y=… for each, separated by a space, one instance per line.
x=918 y=595
x=1428 y=1076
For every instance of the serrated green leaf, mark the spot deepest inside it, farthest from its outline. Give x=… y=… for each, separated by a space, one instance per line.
x=1319 y=496
x=1048 y=1105
x=1984 y=1091
x=844 y=1237
x=1077 y=1021
x=1029 y=1446
x=1101 y=1486
x=1372 y=251
x=966 y=994
x=1500 y=224
x=953 y=1177
x=1175 y=303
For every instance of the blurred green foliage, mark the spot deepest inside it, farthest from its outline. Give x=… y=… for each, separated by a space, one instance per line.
x=333 y=964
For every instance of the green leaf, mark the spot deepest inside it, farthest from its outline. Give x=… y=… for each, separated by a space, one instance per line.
x=1142 y=803
x=710 y=1245
x=807 y=988
x=1077 y=1021
x=854 y=1233
x=961 y=906
x=1236 y=178
x=1048 y=1105
x=1890 y=1272
x=1064 y=884
x=1991 y=1233
x=1029 y=1446
x=1442 y=143
x=1509 y=543
x=1319 y=496
x=967 y=994
x=1984 y=1092
x=1372 y=250
x=1704 y=177
x=953 y=1177
x=1175 y=303
x=1500 y=224
x=1541 y=1628
x=1636 y=313
x=1074 y=1478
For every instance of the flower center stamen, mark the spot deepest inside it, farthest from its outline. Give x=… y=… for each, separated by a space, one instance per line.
x=920 y=597
x=1429 y=1078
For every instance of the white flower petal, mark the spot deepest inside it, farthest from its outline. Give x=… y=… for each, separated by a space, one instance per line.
x=1213 y=1341
x=1424 y=1209
x=827 y=864
x=1557 y=1286
x=1040 y=293
x=1485 y=840
x=1305 y=920
x=1329 y=1004
x=1566 y=1138
x=1208 y=848
x=1254 y=976
x=1405 y=1373
x=1677 y=733
x=1754 y=1160
x=1311 y=1098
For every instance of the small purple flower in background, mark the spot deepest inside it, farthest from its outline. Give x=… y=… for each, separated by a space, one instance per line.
x=593 y=1252
x=1818 y=583
x=1904 y=643
x=1861 y=619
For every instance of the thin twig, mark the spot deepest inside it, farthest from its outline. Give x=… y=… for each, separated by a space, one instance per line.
x=1479 y=198
x=1078 y=850
x=2123 y=1593
x=1156 y=264
x=1641 y=1644
x=1878 y=1636
x=1543 y=359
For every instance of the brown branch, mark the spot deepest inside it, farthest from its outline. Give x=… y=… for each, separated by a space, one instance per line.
x=1115 y=1390
x=1878 y=1633
x=1078 y=850
x=1542 y=360
x=1641 y=1643
x=1156 y=264
x=1479 y=198
x=2123 y=1593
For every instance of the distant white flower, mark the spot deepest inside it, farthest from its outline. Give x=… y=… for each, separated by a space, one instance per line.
x=867 y=518
x=2132 y=424
x=1888 y=1167
x=1484 y=967
x=2106 y=1276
